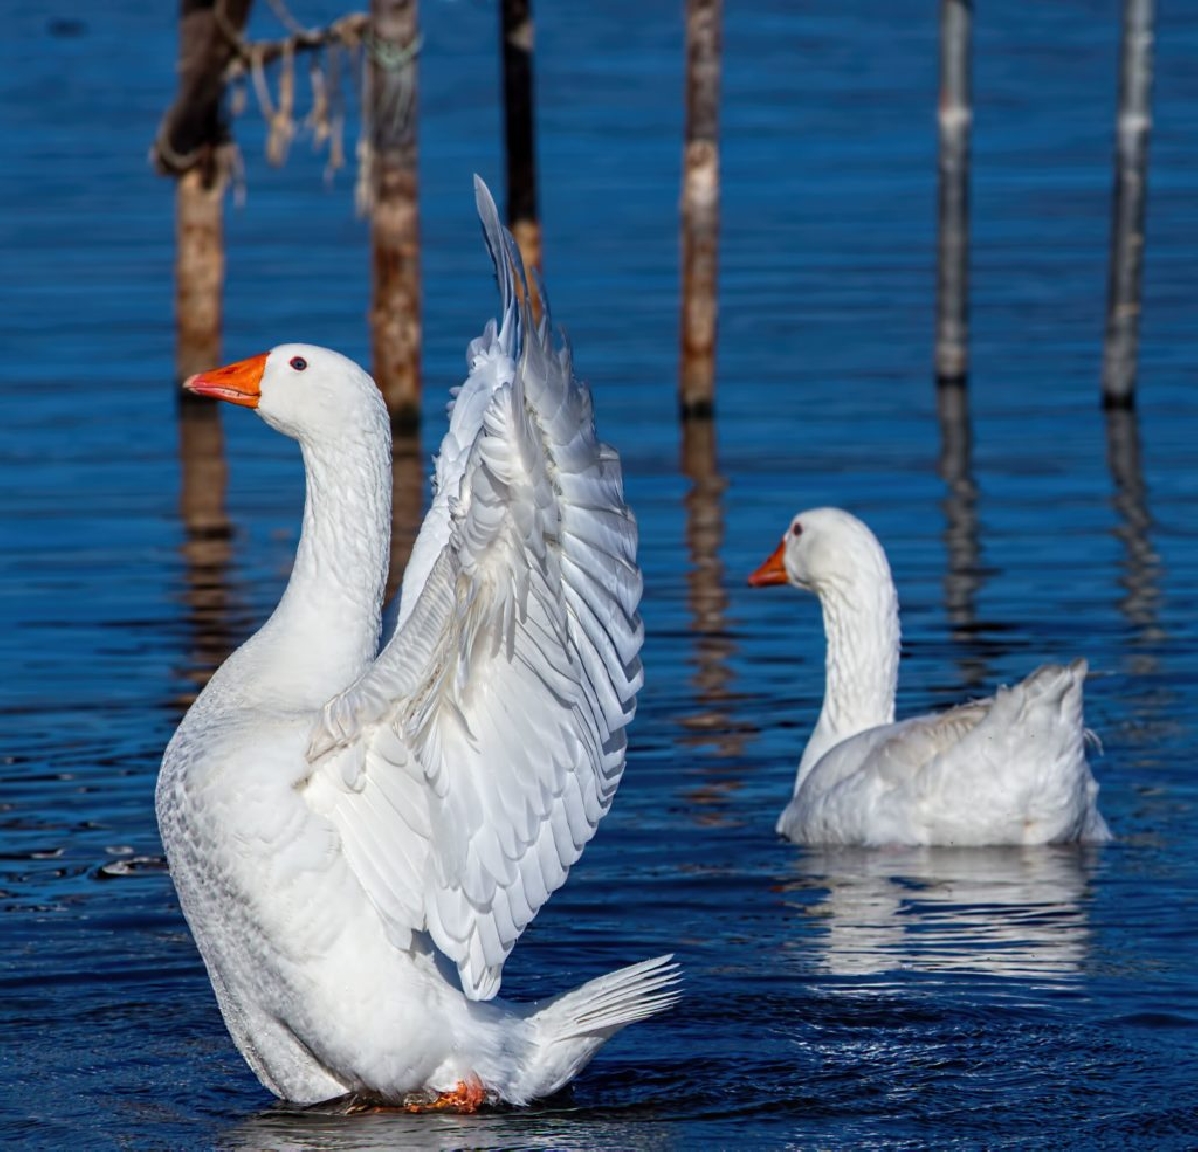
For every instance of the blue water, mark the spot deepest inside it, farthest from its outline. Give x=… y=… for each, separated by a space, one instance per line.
x=849 y=999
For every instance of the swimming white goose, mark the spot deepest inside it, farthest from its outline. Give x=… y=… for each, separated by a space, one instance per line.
x=358 y=838
x=1007 y=770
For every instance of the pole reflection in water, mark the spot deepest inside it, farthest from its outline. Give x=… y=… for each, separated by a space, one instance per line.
x=964 y=574
x=1147 y=690
x=712 y=724
x=1141 y=575
x=1013 y=912
x=407 y=510
x=207 y=544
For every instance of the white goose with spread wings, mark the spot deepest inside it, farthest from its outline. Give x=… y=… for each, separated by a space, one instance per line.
x=358 y=838
x=1007 y=770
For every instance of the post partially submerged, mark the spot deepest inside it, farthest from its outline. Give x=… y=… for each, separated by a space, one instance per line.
x=193 y=146
x=952 y=282
x=1127 y=224
x=392 y=198
x=516 y=30
x=700 y=209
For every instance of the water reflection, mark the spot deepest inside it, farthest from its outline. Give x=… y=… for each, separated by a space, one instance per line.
x=281 y=1130
x=1016 y=912
x=1141 y=571
x=207 y=543
x=964 y=574
x=712 y=722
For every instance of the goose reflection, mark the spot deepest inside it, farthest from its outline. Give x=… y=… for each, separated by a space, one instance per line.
x=282 y=1129
x=1012 y=912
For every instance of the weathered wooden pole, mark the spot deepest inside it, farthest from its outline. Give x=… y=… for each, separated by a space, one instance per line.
x=1127 y=224
x=700 y=208
x=516 y=29
x=395 y=317
x=407 y=506
x=952 y=287
x=192 y=145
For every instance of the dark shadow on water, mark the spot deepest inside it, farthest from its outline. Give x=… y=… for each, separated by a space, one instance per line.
x=1010 y=912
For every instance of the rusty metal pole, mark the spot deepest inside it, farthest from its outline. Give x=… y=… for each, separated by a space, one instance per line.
x=516 y=29
x=956 y=113
x=395 y=212
x=1127 y=225
x=700 y=209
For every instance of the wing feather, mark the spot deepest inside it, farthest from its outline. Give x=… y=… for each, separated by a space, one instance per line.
x=469 y=767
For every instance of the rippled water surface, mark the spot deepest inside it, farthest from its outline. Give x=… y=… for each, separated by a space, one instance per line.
x=833 y=999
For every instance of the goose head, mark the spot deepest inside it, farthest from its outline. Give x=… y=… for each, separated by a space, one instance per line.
x=310 y=394
x=824 y=548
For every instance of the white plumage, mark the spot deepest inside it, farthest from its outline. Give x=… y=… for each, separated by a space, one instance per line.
x=358 y=838
x=1006 y=770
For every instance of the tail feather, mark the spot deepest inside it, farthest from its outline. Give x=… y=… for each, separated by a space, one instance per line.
x=609 y=1002
x=570 y=1028
x=1027 y=767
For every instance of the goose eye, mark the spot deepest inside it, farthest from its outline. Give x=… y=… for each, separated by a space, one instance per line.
x=298 y=363
x=796 y=530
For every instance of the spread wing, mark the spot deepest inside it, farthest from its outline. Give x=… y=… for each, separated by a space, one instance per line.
x=466 y=770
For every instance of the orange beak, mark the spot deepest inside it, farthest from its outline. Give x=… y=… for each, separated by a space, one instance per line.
x=239 y=383
x=773 y=571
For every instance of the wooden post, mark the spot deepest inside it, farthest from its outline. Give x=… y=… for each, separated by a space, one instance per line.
x=407 y=506
x=952 y=303
x=199 y=274
x=516 y=29
x=192 y=146
x=395 y=213
x=1127 y=225
x=700 y=208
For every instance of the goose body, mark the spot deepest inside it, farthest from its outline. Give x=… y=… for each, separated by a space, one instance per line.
x=358 y=837
x=1007 y=770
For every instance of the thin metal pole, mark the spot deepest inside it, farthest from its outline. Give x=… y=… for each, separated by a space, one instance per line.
x=395 y=317
x=700 y=208
x=516 y=29
x=956 y=114
x=1127 y=225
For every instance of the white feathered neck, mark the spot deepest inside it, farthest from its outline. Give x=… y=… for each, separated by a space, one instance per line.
x=325 y=629
x=843 y=563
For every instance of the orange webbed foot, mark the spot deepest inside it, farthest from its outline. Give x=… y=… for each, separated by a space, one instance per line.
x=467 y=1097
